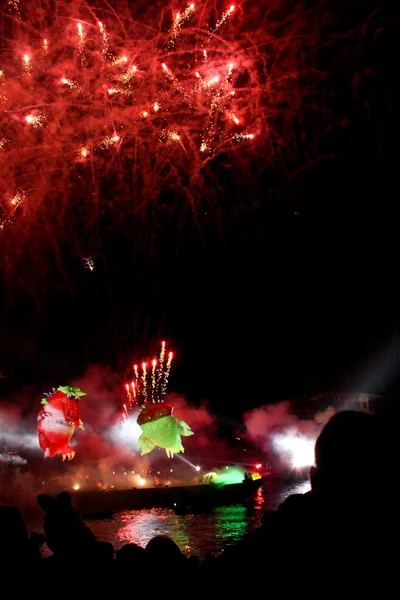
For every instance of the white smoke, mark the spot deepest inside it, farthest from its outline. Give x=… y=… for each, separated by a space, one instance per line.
x=12 y=459
x=126 y=433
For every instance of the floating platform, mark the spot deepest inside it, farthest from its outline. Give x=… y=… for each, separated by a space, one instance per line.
x=181 y=499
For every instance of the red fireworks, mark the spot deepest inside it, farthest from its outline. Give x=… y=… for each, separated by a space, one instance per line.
x=90 y=90
x=137 y=99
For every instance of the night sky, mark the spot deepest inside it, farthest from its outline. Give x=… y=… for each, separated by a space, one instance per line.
x=288 y=287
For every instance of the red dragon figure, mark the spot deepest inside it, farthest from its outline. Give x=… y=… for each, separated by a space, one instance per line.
x=57 y=420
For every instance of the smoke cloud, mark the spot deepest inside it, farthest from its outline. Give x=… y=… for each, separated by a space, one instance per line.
x=10 y=416
x=206 y=447
x=287 y=440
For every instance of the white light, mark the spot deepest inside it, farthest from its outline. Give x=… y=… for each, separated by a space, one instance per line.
x=128 y=432
x=76 y=486
x=197 y=468
x=298 y=448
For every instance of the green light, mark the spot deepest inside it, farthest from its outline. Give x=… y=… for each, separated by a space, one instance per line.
x=230 y=475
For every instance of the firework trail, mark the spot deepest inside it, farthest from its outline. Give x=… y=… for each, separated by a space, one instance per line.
x=153 y=380
x=151 y=385
x=129 y=395
x=144 y=381
x=160 y=368
x=166 y=374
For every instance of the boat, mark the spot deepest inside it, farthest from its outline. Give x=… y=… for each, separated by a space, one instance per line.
x=185 y=498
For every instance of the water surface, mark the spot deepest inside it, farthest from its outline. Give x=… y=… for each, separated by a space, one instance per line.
x=194 y=534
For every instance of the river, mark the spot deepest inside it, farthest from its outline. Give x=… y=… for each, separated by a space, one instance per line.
x=194 y=534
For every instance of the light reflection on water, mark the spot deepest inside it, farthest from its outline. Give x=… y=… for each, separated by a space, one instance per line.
x=194 y=534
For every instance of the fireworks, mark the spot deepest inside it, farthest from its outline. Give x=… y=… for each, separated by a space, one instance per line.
x=166 y=374
x=144 y=381
x=89 y=263
x=179 y=20
x=149 y=384
x=88 y=94
x=153 y=379
x=161 y=364
x=93 y=97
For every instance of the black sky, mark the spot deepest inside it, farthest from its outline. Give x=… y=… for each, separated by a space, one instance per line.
x=296 y=295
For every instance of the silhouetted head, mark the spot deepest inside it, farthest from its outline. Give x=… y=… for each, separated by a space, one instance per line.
x=63 y=528
x=13 y=533
x=348 y=455
x=131 y=552
x=163 y=551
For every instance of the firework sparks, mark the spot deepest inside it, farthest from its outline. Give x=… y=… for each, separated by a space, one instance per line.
x=80 y=110
x=26 y=60
x=14 y=5
x=89 y=263
x=153 y=379
x=161 y=365
x=224 y=17
x=18 y=198
x=35 y=119
x=144 y=380
x=71 y=84
x=109 y=140
x=105 y=94
x=179 y=20
x=166 y=374
x=150 y=384
x=81 y=36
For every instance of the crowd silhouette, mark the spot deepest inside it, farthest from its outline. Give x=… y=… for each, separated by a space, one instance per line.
x=344 y=529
